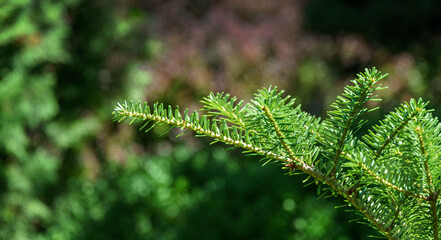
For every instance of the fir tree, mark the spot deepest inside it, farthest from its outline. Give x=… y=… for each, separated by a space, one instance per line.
x=390 y=176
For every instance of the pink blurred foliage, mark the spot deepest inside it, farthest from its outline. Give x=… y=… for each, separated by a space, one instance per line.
x=233 y=46
x=240 y=46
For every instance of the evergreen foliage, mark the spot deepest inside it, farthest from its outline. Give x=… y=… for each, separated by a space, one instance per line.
x=32 y=42
x=42 y=175
x=390 y=175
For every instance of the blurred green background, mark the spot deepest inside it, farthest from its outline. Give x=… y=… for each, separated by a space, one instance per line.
x=68 y=172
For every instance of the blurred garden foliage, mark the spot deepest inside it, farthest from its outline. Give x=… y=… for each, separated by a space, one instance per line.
x=67 y=172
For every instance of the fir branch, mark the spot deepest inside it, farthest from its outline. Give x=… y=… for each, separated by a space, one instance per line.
x=221 y=106
x=391 y=177
x=297 y=127
x=218 y=132
x=392 y=125
x=389 y=184
x=346 y=109
x=139 y=112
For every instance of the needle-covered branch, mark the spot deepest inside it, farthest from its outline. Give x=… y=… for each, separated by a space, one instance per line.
x=391 y=176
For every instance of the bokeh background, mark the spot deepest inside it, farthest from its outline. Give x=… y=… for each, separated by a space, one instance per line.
x=68 y=172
